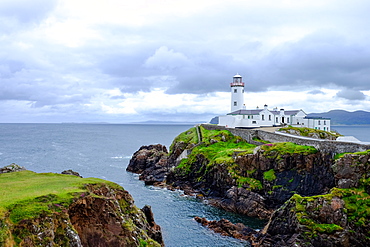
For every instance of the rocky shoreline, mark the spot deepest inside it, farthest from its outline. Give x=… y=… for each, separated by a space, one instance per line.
x=307 y=196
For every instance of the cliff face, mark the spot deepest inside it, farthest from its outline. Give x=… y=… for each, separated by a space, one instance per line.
x=99 y=213
x=339 y=218
x=310 y=198
x=244 y=179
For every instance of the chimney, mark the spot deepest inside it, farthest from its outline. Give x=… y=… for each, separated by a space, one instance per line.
x=281 y=111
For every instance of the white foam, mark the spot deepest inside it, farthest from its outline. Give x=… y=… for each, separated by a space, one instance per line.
x=121 y=157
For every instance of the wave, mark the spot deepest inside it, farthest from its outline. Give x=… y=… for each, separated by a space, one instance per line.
x=122 y=157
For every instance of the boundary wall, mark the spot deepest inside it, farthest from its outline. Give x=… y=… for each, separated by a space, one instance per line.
x=320 y=144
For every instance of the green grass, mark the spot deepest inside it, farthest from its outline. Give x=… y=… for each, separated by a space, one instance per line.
x=217 y=135
x=254 y=184
x=269 y=175
x=257 y=139
x=190 y=136
x=26 y=194
x=307 y=131
x=340 y=155
x=218 y=147
x=282 y=148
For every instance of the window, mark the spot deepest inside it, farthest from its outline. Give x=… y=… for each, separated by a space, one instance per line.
x=235 y=90
x=263 y=117
x=249 y=117
x=254 y=122
x=235 y=103
x=243 y=91
x=287 y=120
x=319 y=122
x=324 y=122
x=277 y=119
x=269 y=117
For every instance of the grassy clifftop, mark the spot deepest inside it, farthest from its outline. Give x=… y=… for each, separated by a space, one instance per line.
x=26 y=194
x=49 y=209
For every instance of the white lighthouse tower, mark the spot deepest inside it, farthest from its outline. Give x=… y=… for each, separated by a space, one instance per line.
x=237 y=93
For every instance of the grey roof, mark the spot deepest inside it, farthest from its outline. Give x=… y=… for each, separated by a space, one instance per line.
x=257 y=111
x=245 y=112
x=318 y=118
x=288 y=113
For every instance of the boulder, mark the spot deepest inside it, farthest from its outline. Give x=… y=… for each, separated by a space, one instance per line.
x=226 y=228
x=70 y=172
x=151 y=163
x=12 y=168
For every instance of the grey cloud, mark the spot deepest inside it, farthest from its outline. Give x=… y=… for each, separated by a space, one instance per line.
x=316 y=92
x=8 y=67
x=351 y=94
x=27 y=11
x=319 y=59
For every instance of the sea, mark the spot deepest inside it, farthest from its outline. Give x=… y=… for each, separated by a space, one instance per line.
x=104 y=151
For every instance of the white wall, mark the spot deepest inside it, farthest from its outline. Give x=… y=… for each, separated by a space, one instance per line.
x=237 y=97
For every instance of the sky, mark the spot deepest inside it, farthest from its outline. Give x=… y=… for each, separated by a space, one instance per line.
x=122 y=61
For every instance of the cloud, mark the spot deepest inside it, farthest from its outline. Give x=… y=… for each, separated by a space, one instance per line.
x=351 y=94
x=134 y=60
x=18 y=15
x=316 y=91
x=167 y=60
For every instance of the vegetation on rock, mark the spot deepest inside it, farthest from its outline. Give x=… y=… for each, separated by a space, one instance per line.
x=277 y=150
x=45 y=209
x=218 y=147
x=311 y=198
x=309 y=132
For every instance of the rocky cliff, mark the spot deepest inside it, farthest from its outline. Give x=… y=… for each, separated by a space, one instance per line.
x=305 y=194
x=65 y=210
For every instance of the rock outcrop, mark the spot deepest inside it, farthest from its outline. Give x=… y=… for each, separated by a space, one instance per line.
x=73 y=212
x=71 y=172
x=226 y=228
x=12 y=168
x=151 y=163
x=309 y=197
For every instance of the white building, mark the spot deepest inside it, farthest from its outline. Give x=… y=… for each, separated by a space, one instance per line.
x=239 y=117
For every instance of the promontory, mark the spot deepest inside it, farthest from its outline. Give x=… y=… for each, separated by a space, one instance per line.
x=311 y=192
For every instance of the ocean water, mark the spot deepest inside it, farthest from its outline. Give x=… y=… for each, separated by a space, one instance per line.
x=361 y=132
x=104 y=151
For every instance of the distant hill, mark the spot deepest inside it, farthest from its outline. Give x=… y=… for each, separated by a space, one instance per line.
x=214 y=120
x=341 y=117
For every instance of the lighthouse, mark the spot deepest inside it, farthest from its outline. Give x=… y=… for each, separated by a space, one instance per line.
x=237 y=93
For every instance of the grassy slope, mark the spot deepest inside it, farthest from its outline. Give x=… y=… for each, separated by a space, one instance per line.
x=308 y=131
x=26 y=194
x=221 y=147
